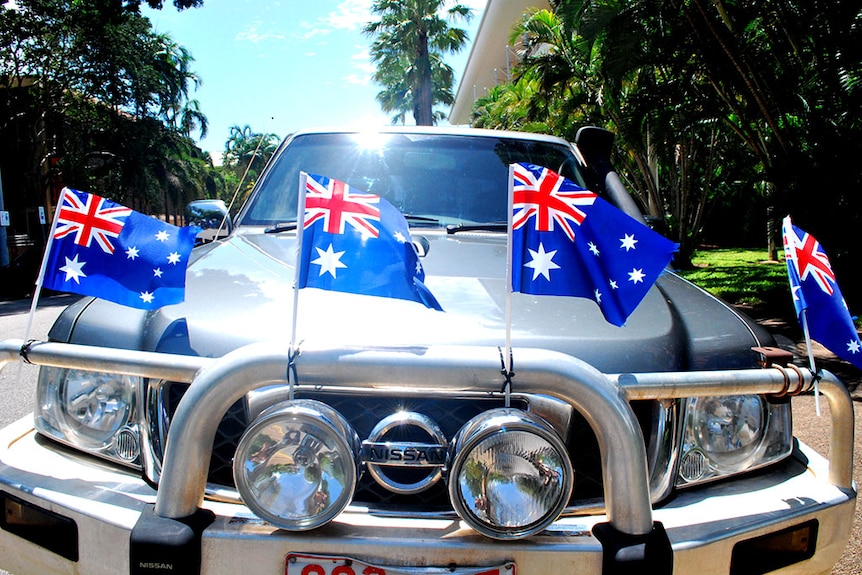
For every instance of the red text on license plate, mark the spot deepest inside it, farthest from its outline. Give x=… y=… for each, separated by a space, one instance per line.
x=302 y=564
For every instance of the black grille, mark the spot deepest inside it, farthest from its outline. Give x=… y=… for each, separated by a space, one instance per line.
x=224 y=445
x=364 y=412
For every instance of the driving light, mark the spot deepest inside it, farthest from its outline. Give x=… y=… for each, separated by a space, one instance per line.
x=731 y=434
x=511 y=475
x=296 y=466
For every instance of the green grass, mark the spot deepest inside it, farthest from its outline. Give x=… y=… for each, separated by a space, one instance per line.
x=740 y=276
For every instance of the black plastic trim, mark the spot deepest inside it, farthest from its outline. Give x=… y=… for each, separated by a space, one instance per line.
x=164 y=545
x=624 y=554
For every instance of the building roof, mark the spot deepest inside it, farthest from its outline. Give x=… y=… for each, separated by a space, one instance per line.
x=491 y=57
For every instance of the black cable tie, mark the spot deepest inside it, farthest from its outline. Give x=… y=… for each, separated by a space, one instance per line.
x=507 y=374
x=25 y=349
x=291 y=365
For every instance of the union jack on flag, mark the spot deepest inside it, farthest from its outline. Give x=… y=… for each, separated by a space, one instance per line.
x=90 y=218
x=549 y=198
x=337 y=204
x=373 y=255
x=816 y=294
x=137 y=260
x=613 y=260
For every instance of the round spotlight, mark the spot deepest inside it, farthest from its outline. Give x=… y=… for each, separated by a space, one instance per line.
x=296 y=466
x=511 y=475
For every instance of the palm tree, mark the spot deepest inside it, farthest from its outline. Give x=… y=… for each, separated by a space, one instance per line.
x=247 y=152
x=408 y=38
x=396 y=96
x=607 y=66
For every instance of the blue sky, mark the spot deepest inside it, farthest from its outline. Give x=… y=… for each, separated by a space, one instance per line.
x=279 y=66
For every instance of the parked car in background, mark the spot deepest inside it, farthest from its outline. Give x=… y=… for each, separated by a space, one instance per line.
x=396 y=438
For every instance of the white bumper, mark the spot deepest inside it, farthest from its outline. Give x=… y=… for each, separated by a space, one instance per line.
x=105 y=504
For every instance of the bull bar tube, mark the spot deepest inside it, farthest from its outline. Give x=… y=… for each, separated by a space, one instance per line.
x=602 y=399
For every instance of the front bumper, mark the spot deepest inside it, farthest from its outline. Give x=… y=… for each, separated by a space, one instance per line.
x=122 y=525
x=703 y=526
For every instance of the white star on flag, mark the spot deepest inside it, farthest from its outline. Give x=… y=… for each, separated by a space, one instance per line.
x=636 y=276
x=73 y=269
x=628 y=242
x=542 y=262
x=132 y=252
x=162 y=236
x=329 y=261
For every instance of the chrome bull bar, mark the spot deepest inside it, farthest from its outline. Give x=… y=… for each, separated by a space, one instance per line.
x=602 y=399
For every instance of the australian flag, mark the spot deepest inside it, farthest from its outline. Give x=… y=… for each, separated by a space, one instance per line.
x=814 y=288
x=566 y=241
x=359 y=243
x=102 y=249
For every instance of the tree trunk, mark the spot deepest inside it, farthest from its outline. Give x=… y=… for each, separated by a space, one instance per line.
x=422 y=111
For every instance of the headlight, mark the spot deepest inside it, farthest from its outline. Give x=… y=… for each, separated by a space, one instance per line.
x=511 y=475
x=731 y=434
x=93 y=411
x=296 y=466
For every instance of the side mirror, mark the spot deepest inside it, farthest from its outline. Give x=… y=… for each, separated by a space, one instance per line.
x=212 y=217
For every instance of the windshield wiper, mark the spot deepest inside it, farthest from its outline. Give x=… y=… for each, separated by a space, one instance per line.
x=281 y=227
x=420 y=220
x=486 y=227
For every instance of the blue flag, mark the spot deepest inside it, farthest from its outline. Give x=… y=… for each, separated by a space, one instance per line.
x=358 y=243
x=814 y=288
x=566 y=241
x=102 y=249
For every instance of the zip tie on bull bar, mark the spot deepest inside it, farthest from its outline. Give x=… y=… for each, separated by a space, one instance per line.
x=291 y=368
x=25 y=350
x=508 y=374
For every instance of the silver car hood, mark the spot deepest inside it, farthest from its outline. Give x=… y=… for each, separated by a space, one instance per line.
x=241 y=291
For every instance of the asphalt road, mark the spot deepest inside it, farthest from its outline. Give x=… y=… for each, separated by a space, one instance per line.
x=17 y=397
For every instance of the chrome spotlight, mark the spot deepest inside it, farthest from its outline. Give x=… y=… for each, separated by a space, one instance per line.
x=297 y=465
x=511 y=475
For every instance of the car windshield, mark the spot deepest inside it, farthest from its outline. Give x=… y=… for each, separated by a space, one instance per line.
x=433 y=179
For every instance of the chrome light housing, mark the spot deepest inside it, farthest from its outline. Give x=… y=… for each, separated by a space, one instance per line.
x=93 y=411
x=511 y=475
x=297 y=464
x=725 y=435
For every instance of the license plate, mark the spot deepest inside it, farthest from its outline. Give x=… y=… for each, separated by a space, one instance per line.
x=301 y=564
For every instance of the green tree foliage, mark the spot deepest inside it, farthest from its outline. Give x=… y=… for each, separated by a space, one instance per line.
x=714 y=103
x=245 y=155
x=410 y=40
x=104 y=103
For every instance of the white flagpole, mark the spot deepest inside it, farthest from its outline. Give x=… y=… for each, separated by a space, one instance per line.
x=507 y=353
x=38 y=286
x=300 y=226
x=41 y=277
x=811 y=360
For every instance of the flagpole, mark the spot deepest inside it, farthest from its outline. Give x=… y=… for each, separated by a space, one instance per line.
x=300 y=226
x=41 y=277
x=804 y=316
x=507 y=353
x=38 y=285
